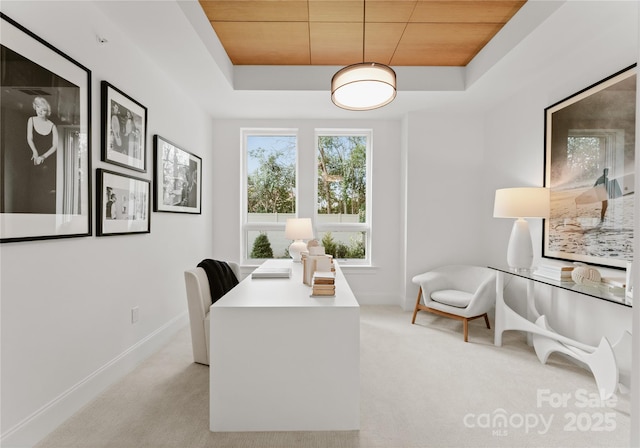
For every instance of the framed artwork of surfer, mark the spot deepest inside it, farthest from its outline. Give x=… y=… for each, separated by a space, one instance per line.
x=589 y=168
x=45 y=139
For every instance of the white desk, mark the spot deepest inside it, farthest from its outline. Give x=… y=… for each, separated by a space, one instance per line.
x=283 y=361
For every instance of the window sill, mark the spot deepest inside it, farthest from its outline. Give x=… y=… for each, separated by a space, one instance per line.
x=358 y=268
x=346 y=268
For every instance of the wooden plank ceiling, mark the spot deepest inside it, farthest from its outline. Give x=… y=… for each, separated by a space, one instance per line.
x=330 y=32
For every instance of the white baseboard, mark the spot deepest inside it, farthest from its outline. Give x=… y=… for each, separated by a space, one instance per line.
x=408 y=303
x=36 y=426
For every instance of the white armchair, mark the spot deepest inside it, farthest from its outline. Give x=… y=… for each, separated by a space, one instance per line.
x=461 y=292
x=199 y=300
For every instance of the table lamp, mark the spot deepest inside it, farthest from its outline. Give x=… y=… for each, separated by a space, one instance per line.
x=298 y=229
x=520 y=203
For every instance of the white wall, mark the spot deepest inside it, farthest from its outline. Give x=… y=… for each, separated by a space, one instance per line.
x=635 y=348
x=376 y=285
x=444 y=193
x=66 y=304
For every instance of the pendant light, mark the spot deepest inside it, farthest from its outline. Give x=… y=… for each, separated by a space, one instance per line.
x=363 y=86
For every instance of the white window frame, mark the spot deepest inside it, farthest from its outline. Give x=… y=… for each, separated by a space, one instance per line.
x=347 y=227
x=246 y=227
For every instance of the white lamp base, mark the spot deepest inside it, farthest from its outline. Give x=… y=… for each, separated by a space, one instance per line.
x=295 y=250
x=520 y=250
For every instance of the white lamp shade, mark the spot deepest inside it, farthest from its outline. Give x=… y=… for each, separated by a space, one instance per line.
x=363 y=86
x=298 y=229
x=526 y=202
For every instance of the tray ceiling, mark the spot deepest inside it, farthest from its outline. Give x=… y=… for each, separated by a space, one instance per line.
x=330 y=32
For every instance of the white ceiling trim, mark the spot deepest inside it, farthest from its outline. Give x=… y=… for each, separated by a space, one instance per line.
x=315 y=78
x=527 y=19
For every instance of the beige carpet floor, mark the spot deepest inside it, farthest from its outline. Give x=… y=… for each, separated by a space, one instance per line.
x=421 y=386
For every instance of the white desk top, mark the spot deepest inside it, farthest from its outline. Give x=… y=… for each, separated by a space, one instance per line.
x=285 y=292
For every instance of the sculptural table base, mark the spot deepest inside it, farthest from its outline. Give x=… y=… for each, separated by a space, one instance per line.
x=601 y=359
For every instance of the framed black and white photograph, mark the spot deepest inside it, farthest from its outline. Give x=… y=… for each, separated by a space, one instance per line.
x=124 y=129
x=124 y=205
x=589 y=169
x=45 y=139
x=177 y=178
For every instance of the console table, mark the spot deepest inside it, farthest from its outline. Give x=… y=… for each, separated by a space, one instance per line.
x=281 y=360
x=610 y=363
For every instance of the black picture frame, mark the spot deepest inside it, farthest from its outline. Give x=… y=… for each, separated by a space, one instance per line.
x=124 y=204
x=46 y=181
x=589 y=169
x=177 y=178
x=124 y=129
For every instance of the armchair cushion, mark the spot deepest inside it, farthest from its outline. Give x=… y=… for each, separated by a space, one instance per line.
x=452 y=297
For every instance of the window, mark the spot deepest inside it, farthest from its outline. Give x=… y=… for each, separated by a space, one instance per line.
x=269 y=191
x=342 y=218
x=275 y=184
x=589 y=151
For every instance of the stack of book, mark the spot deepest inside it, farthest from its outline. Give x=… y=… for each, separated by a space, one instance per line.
x=324 y=283
x=555 y=271
x=312 y=263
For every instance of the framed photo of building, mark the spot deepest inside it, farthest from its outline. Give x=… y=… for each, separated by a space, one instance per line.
x=45 y=139
x=589 y=168
x=177 y=178
x=124 y=129
x=124 y=205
